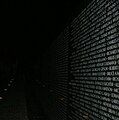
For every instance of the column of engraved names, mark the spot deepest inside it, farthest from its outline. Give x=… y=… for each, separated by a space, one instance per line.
x=62 y=75
x=73 y=66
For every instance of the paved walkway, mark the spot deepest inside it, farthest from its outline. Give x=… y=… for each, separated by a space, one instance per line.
x=35 y=107
x=13 y=106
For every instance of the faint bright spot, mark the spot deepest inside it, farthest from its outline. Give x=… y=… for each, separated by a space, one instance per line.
x=5 y=89
x=1 y=98
x=51 y=90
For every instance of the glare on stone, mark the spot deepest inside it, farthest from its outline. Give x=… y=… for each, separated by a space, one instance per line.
x=1 y=98
x=5 y=89
x=62 y=99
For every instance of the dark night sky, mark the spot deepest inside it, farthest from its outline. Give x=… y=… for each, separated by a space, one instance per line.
x=29 y=27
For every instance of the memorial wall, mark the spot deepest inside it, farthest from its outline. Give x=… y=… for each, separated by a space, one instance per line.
x=86 y=67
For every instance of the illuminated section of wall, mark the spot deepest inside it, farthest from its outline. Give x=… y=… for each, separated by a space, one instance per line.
x=87 y=64
x=94 y=62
